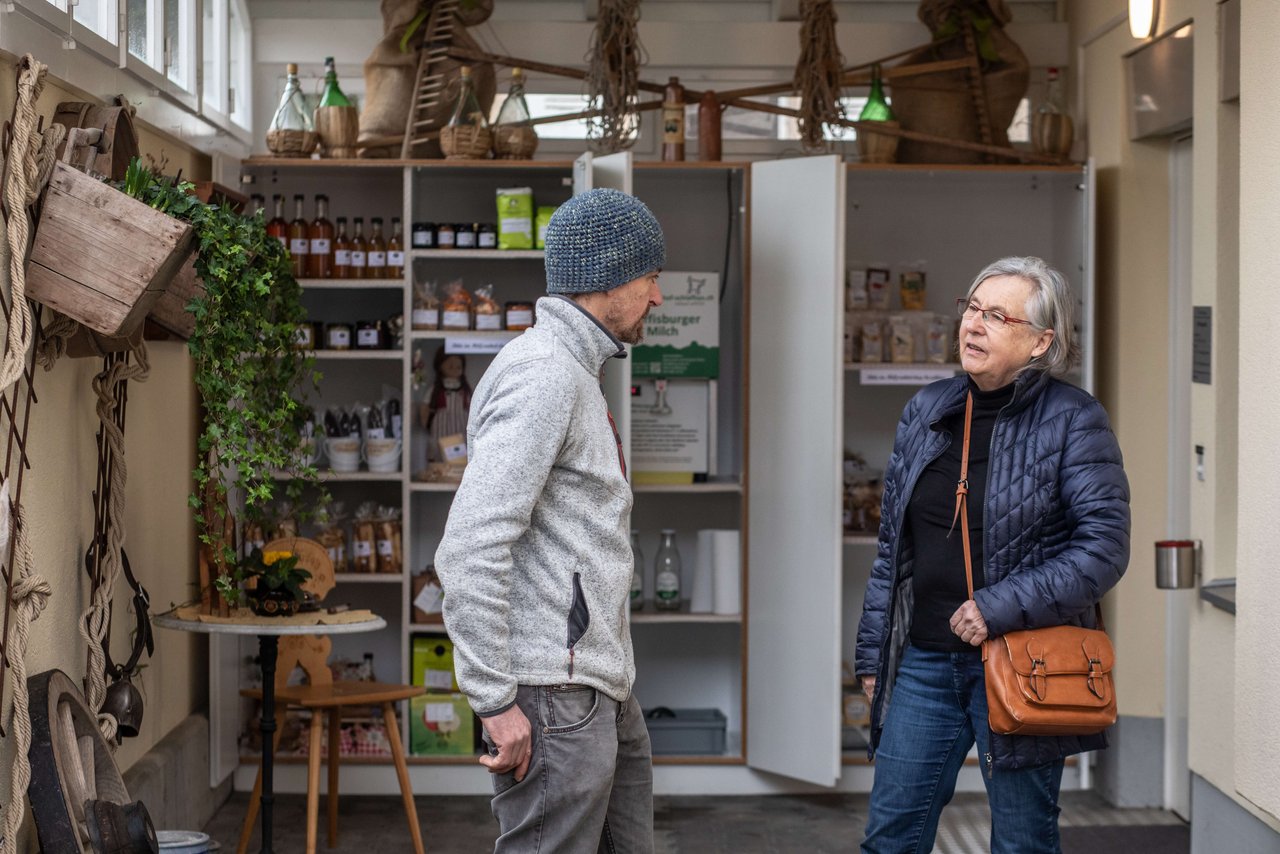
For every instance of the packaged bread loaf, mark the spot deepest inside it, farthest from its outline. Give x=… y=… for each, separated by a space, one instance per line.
x=390 y=553
x=487 y=311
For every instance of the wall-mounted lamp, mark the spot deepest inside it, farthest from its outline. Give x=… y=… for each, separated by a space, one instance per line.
x=1143 y=17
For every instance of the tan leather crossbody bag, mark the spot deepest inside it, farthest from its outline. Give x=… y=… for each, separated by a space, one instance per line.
x=1049 y=681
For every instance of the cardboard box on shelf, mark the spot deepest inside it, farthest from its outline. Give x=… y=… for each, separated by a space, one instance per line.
x=441 y=725
x=433 y=664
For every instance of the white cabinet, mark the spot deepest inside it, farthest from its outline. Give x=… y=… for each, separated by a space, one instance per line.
x=811 y=219
x=781 y=234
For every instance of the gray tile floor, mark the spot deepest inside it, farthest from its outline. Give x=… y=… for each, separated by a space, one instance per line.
x=809 y=824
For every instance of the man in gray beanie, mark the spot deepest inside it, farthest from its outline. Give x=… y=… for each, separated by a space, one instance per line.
x=536 y=561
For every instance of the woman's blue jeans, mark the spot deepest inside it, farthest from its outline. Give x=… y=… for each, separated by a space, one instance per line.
x=938 y=709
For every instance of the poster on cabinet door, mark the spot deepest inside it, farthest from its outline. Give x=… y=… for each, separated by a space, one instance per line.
x=682 y=336
x=670 y=427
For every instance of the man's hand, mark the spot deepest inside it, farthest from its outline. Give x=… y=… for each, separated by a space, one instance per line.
x=509 y=732
x=869 y=686
x=968 y=625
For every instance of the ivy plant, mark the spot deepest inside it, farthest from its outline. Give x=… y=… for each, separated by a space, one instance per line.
x=247 y=370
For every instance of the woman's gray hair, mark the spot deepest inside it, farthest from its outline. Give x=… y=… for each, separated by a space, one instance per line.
x=1050 y=306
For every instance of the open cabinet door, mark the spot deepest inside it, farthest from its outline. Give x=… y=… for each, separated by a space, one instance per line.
x=795 y=427
x=613 y=172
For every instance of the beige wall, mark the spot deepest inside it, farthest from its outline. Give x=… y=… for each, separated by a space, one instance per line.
x=1257 y=737
x=1232 y=735
x=159 y=534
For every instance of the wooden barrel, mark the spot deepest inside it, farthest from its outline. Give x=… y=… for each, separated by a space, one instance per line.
x=339 y=128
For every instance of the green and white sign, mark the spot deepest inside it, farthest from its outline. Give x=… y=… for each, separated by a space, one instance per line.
x=682 y=336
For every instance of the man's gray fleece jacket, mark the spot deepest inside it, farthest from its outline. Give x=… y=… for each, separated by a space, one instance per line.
x=536 y=559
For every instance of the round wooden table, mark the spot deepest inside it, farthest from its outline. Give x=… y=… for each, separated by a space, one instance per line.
x=268 y=647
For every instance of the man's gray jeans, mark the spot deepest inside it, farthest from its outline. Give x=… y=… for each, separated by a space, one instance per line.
x=590 y=782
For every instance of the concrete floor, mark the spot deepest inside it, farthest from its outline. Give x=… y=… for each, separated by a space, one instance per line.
x=811 y=824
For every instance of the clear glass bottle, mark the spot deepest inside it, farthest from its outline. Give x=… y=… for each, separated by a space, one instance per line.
x=299 y=239
x=395 y=251
x=359 y=258
x=467 y=112
x=332 y=96
x=877 y=108
x=291 y=115
x=320 y=237
x=377 y=251
x=637 y=573
x=1052 y=131
x=666 y=573
x=342 y=251
x=513 y=135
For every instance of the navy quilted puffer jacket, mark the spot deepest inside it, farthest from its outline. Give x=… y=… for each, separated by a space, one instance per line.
x=1055 y=532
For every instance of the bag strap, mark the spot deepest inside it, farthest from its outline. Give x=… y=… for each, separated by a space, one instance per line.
x=962 y=507
x=962 y=494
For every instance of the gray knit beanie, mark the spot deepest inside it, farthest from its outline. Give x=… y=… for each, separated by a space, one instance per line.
x=600 y=240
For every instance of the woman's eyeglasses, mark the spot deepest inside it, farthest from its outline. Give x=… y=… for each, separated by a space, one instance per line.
x=995 y=319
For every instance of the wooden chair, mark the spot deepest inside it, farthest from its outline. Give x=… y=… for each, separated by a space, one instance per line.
x=323 y=696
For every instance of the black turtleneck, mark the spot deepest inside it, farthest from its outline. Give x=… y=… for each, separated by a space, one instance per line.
x=939 y=574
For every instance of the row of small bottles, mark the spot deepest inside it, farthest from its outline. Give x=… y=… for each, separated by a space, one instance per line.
x=666 y=573
x=322 y=251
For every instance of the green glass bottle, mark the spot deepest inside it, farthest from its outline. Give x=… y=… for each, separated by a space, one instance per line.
x=333 y=96
x=877 y=108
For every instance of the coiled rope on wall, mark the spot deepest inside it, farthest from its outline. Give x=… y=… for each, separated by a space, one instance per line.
x=28 y=166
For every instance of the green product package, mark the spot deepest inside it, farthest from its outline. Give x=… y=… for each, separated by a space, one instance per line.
x=544 y=219
x=515 y=218
x=441 y=725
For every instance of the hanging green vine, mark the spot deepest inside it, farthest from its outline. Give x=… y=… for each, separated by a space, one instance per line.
x=246 y=369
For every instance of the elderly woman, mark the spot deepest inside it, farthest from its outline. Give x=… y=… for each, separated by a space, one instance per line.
x=1049 y=535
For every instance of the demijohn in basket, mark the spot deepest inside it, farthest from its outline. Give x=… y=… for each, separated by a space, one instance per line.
x=1050 y=681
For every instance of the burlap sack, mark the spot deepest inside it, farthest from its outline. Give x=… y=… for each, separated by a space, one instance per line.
x=940 y=104
x=389 y=76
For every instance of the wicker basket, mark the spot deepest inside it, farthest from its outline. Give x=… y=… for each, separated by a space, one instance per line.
x=466 y=142
x=338 y=129
x=877 y=147
x=291 y=143
x=514 y=142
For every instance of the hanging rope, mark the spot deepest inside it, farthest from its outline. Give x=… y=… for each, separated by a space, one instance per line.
x=56 y=334
x=818 y=73
x=31 y=159
x=613 y=76
x=29 y=163
x=30 y=596
x=96 y=620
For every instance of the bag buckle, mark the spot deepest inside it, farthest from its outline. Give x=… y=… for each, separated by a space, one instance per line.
x=1095 y=676
x=1039 y=677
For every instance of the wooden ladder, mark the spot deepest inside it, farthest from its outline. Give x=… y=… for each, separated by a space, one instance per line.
x=430 y=83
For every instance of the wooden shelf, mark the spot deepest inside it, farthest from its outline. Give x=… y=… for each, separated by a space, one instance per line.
x=432 y=626
x=678 y=488
x=954 y=367
x=327 y=476
x=352 y=284
x=439 y=334
x=1014 y=168
x=433 y=487
x=861 y=539
x=358 y=355
x=259 y=161
x=369 y=577
x=650 y=616
x=480 y=254
x=690 y=165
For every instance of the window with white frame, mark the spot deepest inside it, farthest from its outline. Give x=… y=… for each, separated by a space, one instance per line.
x=179 y=42
x=100 y=16
x=239 y=102
x=213 y=37
x=144 y=31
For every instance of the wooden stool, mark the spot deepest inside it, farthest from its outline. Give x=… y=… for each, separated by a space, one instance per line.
x=324 y=697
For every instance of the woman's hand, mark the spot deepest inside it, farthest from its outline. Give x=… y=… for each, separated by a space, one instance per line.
x=968 y=625
x=869 y=686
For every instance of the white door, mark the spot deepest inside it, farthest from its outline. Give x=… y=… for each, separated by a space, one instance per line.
x=613 y=171
x=1178 y=604
x=795 y=426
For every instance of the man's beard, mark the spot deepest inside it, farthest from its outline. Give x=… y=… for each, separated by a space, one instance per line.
x=633 y=334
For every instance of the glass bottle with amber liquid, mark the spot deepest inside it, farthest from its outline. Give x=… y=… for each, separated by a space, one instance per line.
x=320 y=236
x=342 y=251
x=673 y=120
x=359 y=250
x=278 y=226
x=299 y=238
x=377 y=251
x=395 y=251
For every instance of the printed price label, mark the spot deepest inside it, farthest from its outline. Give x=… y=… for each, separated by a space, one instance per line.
x=454 y=452
x=377 y=259
x=298 y=245
x=428 y=599
x=367 y=338
x=342 y=258
x=489 y=322
x=384 y=548
x=357 y=259
x=439 y=680
x=319 y=246
x=362 y=548
x=439 y=712
x=426 y=318
x=905 y=375
x=395 y=259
